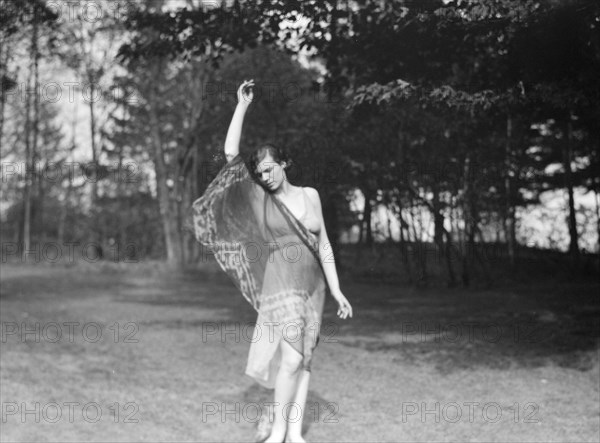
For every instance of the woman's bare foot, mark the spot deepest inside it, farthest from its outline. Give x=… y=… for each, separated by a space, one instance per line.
x=294 y=439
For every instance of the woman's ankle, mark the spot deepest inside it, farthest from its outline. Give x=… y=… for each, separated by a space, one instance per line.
x=277 y=432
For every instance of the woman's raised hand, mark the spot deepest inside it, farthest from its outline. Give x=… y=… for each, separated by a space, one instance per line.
x=245 y=95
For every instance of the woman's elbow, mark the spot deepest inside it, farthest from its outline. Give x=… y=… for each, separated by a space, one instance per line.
x=230 y=153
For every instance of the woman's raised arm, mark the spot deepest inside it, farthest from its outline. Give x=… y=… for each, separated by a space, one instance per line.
x=234 y=133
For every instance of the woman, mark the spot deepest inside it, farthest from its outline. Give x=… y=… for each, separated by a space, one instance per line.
x=270 y=237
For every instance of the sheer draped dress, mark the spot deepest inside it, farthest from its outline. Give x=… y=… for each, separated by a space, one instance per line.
x=271 y=257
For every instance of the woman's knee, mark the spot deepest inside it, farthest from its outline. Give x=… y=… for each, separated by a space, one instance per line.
x=291 y=360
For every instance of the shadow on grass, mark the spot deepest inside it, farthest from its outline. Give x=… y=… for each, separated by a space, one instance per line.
x=527 y=325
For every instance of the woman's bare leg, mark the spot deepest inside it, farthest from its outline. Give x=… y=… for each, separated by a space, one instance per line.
x=285 y=389
x=294 y=429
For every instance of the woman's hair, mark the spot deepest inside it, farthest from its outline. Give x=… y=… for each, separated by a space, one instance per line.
x=278 y=154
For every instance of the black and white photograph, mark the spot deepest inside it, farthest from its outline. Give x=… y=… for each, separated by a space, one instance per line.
x=300 y=221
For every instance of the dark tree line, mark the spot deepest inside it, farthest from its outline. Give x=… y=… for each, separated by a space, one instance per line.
x=452 y=116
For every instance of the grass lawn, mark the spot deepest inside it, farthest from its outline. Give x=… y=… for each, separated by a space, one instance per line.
x=108 y=353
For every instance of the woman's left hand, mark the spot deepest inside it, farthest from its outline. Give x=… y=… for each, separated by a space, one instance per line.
x=245 y=95
x=344 y=309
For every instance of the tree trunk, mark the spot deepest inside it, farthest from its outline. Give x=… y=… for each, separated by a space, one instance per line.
x=483 y=261
x=94 y=196
x=36 y=179
x=361 y=229
x=597 y=201
x=509 y=213
x=167 y=209
x=574 y=236
x=443 y=249
x=121 y=244
x=188 y=157
x=64 y=210
x=468 y=219
x=98 y=236
x=451 y=275
x=29 y=167
x=367 y=218
x=4 y=59
x=194 y=192
x=438 y=221
x=596 y=185
x=404 y=245
x=419 y=246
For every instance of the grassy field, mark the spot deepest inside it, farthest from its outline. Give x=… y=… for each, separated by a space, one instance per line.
x=136 y=353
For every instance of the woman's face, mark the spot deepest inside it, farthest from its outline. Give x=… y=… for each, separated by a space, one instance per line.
x=271 y=173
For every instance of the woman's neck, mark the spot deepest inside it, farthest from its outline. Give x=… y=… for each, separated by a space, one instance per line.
x=285 y=189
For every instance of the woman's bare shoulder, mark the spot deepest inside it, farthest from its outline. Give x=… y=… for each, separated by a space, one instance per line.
x=313 y=195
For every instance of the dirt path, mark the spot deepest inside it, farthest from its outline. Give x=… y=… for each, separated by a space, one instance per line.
x=138 y=355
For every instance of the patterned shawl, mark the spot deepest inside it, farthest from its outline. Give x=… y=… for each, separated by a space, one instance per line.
x=260 y=244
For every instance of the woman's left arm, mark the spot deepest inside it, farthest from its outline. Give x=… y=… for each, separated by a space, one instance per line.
x=327 y=259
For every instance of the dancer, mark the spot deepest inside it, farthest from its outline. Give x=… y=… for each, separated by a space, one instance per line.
x=270 y=237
